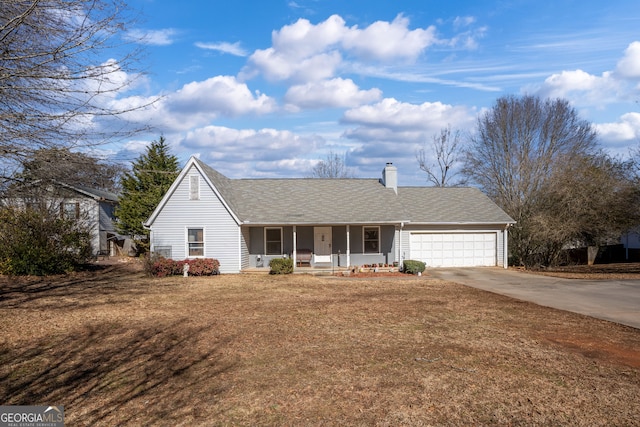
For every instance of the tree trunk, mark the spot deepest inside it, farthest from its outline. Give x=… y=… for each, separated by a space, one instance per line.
x=592 y=252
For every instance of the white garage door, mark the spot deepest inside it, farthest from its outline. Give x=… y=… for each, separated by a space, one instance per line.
x=454 y=249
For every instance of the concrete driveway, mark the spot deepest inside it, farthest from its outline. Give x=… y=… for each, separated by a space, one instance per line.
x=614 y=300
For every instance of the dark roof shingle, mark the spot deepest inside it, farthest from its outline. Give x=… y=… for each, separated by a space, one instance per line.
x=350 y=201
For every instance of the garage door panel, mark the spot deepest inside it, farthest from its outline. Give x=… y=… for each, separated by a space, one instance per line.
x=454 y=249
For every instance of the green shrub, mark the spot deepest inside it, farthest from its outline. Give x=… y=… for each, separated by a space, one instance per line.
x=281 y=266
x=39 y=242
x=413 y=267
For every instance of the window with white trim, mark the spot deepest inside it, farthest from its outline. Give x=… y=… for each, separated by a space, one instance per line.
x=194 y=187
x=70 y=210
x=371 y=240
x=163 y=251
x=273 y=241
x=195 y=240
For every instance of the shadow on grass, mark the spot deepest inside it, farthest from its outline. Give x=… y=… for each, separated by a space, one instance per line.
x=119 y=374
x=113 y=281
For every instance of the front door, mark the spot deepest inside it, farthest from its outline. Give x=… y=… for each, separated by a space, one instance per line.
x=322 y=244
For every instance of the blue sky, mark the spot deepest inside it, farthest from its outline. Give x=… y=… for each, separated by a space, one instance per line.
x=268 y=88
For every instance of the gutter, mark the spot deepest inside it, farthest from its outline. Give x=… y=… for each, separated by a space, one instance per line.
x=260 y=224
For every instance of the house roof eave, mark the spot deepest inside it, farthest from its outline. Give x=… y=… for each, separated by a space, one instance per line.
x=320 y=223
x=506 y=223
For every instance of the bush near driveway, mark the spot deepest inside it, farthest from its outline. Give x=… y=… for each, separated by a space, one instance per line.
x=413 y=267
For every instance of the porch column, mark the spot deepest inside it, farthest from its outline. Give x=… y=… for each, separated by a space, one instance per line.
x=348 y=247
x=400 y=245
x=295 y=246
x=505 y=255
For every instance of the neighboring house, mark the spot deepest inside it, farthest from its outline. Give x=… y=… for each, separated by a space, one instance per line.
x=631 y=239
x=244 y=223
x=631 y=244
x=94 y=207
x=97 y=207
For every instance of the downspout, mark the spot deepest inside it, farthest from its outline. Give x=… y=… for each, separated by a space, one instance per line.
x=151 y=244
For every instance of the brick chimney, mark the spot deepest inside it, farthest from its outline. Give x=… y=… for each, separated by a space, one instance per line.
x=390 y=177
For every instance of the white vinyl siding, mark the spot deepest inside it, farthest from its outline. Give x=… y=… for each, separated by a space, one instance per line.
x=209 y=213
x=244 y=237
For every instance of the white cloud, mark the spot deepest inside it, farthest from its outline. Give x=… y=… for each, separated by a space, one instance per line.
x=162 y=37
x=392 y=120
x=582 y=88
x=303 y=39
x=248 y=144
x=219 y=95
x=463 y=21
x=562 y=84
x=278 y=66
x=224 y=47
x=585 y=89
x=304 y=52
x=236 y=152
x=110 y=80
x=330 y=94
x=629 y=65
x=627 y=129
x=197 y=103
x=386 y=41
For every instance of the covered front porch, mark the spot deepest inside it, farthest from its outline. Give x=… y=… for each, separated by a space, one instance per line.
x=321 y=247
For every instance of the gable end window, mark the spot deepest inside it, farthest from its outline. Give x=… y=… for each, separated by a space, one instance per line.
x=70 y=210
x=195 y=240
x=194 y=187
x=371 y=236
x=273 y=241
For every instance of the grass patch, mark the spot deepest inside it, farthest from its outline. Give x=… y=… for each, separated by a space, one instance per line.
x=118 y=348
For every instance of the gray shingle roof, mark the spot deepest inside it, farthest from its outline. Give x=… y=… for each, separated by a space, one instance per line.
x=450 y=205
x=310 y=200
x=350 y=201
x=95 y=193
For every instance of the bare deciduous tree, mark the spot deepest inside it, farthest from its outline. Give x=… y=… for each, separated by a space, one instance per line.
x=60 y=65
x=518 y=147
x=445 y=148
x=72 y=168
x=334 y=166
x=591 y=202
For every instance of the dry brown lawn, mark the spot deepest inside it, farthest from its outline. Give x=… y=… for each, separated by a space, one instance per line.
x=118 y=348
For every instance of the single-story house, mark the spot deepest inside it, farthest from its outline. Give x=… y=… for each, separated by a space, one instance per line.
x=244 y=223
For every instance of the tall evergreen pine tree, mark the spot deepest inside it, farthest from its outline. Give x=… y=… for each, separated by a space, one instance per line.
x=142 y=189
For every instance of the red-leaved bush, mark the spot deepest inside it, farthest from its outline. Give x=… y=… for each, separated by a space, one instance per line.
x=162 y=267
x=203 y=266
